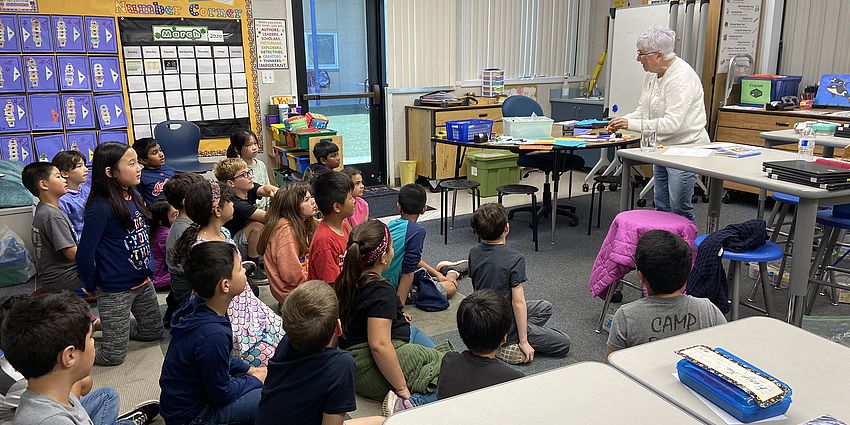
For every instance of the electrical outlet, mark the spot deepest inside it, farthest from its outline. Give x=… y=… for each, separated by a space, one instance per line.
x=268 y=77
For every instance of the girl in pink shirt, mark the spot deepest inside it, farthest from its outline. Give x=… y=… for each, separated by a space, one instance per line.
x=162 y=217
x=361 y=208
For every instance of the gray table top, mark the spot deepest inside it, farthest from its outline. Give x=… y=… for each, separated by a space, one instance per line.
x=746 y=171
x=576 y=394
x=781 y=137
x=814 y=367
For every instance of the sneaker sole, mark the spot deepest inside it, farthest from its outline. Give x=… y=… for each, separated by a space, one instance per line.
x=511 y=354
x=388 y=403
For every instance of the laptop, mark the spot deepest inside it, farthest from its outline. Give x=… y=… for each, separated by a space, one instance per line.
x=802 y=180
x=814 y=171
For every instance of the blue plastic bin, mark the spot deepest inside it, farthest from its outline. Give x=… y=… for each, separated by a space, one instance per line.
x=465 y=130
x=787 y=85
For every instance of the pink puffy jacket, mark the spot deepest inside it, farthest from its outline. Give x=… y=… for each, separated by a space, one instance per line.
x=615 y=256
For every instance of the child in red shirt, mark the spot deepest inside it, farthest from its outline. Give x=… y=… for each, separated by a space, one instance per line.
x=334 y=193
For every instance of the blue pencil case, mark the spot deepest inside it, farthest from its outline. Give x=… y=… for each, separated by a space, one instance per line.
x=739 y=403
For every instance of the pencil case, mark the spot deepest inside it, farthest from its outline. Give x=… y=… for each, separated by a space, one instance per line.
x=718 y=387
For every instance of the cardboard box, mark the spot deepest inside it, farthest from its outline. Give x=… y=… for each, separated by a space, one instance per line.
x=105 y=74
x=45 y=112
x=15 y=117
x=109 y=110
x=16 y=147
x=12 y=74
x=47 y=146
x=74 y=73
x=10 y=40
x=36 y=33
x=100 y=33
x=337 y=140
x=40 y=74
x=78 y=111
x=83 y=141
x=68 y=34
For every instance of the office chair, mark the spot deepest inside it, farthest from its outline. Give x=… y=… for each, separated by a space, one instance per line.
x=522 y=106
x=179 y=141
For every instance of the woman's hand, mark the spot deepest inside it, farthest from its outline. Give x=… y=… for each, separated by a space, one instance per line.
x=618 y=123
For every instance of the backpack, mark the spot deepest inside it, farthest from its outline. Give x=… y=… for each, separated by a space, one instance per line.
x=430 y=293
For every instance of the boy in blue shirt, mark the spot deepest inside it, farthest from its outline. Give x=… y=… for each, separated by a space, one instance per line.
x=408 y=239
x=201 y=381
x=310 y=382
x=155 y=173
x=72 y=166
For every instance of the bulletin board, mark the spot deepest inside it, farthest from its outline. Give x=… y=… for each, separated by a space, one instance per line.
x=100 y=90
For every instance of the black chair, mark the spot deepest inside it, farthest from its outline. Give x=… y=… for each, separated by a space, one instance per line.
x=522 y=189
x=453 y=185
x=599 y=183
x=522 y=106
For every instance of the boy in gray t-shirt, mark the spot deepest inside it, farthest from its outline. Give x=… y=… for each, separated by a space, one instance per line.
x=175 y=190
x=663 y=261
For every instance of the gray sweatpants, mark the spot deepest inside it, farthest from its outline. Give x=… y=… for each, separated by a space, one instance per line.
x=544 y=341
x=118 y=328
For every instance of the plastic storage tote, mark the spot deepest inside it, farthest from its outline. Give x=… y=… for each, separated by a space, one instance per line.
x=528 y=127
x=757 y=90
x=301 y=138
x=492 y=169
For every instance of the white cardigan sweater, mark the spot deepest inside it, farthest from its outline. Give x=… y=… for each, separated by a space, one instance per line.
x=673 y=105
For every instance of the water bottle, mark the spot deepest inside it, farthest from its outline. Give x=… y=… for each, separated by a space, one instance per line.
x=806 y=145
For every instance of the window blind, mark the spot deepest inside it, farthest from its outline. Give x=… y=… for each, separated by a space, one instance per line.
x=814 y=39
x=421 y=43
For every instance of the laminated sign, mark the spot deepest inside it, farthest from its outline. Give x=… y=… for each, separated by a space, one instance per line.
x=180 y=33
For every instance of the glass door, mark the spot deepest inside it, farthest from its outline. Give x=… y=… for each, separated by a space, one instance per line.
x=340 y=72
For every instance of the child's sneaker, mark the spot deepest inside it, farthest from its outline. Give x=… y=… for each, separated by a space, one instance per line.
x=510 y=354
x=460 y=267
x=143 y=414
x=392 y=404
x=255 y=274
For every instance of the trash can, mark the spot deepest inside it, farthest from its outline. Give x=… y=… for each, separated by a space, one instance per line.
x=407 y=172
x=492 y=169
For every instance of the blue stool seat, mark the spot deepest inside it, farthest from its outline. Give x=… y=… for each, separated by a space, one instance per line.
x=826 y=218
x=784 y=197
x=770 y=251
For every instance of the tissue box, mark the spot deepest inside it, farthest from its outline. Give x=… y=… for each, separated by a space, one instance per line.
x=728 y=397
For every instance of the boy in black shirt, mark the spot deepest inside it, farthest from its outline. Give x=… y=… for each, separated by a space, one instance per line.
x=483 y=321
x=309 y=381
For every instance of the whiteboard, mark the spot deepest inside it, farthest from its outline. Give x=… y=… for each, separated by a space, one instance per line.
x=625 y=75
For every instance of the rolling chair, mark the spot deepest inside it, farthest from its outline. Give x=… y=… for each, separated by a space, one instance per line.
x=179 y=141
x=522 y=106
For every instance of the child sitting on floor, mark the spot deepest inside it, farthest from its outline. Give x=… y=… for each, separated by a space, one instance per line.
x=361 y=207
x=162 y=217
x=201 y=382
x=155 y=173
x=663 y=261
x=243 y=144
x=334 y=194
x=483 y=321
x=327 y=159
x=175 y=190
x=310 y=382
x=72 y=166
x=495 y=265
x=285 y=240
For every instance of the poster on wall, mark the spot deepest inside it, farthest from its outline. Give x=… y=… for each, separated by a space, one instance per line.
x=68 y=34
x=36 y=34
x=740 y=31
x=11 y=74
x=271 y=43
x=18 y=6
x=9 y=39
x=16 y=147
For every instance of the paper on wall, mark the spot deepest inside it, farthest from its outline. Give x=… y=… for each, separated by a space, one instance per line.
x=222 y=81
x=206 y=81
x=176 y=114
x=225 y=112
x=222 y=65
x=239 y=80
x=193 y=113
x=134 y=67
x=156 y=99
x=240 y=95
x=138 y=100
x=224 y=95
x=141 y=116
x=153 y=66
x=172 y=82
x=188 y=81
x=185 y=51
x=205 y=66
x=237 y=65
x=136 y=83
x=153 y=82
x=235 y=51
x=208 y=97
x=140 y=131
x=241 y=110
x=168 y=51
x=150 y=52
x=221 y=52
x=188 y=66
x=132 y=52
x=210 y=112
x=203 y=51
x=191 y=97
x=173 y=98
x=158 y=115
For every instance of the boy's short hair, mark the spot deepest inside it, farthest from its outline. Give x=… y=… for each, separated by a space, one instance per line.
x=143 y=145
x=324 y=148
x=664 y=259
x=489 y=221
x=35 y=172
x=309 y=316
x=483 y=320
x=226 y=169
x=176 y=188
x=412 y=198
x=207 y=265
x=66 y=161
x=331 y=188
x=38 y=328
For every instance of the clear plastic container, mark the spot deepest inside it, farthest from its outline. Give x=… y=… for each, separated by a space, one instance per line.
x=528 y=127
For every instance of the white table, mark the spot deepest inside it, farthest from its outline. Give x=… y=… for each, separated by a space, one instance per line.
x=814 y=367
x=584 y=393
x=748 y=171
x=787 y=137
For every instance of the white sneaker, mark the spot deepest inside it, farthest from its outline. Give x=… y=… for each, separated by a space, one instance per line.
x=392 y=404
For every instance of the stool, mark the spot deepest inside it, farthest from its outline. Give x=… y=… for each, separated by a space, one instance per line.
x=613 y=257
x=770 y=251
x=454 y=185
x=522 y=189
x=834 y=229
x=599 y=183
x=781 y=206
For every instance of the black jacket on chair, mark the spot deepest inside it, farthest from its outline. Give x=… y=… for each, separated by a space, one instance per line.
x=708 y=278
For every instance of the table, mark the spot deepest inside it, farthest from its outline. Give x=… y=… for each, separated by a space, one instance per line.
x=584 y=393
x=787 y=137
x=748 y=171
x=461 y=153
x=814 y=367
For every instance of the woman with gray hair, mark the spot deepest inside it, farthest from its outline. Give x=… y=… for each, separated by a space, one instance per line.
x=671 y=103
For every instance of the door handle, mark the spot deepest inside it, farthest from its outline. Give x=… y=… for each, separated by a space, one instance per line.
x=376 y=92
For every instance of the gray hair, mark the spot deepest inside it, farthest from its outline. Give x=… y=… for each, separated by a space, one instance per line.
x=658 y=39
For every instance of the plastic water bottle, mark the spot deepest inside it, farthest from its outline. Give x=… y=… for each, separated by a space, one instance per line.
x=806 y=145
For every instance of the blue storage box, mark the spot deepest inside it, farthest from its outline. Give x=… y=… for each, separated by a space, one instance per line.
x=83 y=141
x=36 y=34
x=113 y=136
x=10 y=39
x=40 y=72
x=15 y=117
x=45 y=112
x=100 y=35
x=110 y=111
x=12 y=74
x=16 y=147
x=728 y=397
x=465 y=130
x=46 y=147
x=73 y=73
x=755 y=89
x=105 y=74
x=78 y=111
x=68 y=34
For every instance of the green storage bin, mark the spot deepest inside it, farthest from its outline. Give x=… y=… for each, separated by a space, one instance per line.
x=492 y=169
x=302 y=139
